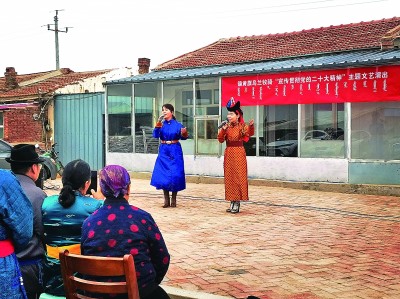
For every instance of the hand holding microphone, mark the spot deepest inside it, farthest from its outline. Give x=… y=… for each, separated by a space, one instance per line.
x=225 y=122
x=161 y=118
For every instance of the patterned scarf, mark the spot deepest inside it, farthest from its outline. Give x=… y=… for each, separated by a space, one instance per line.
x=114 y=181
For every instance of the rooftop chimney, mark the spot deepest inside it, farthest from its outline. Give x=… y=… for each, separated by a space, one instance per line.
x=11 y=78
x=391 y=39
x=144 y=65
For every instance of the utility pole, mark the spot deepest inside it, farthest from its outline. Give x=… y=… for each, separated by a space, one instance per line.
x=56 y=31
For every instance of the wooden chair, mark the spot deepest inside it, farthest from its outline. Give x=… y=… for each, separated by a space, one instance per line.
x=73 y=266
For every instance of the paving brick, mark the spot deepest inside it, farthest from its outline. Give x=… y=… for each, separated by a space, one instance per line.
x=284 y=244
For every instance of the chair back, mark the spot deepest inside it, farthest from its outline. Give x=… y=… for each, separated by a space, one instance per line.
x=80 y=272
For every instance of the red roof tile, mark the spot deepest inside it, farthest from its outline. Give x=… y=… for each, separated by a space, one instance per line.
x=31 y=85
x=364 y=35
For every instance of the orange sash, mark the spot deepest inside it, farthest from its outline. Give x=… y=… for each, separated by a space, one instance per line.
x=54 y=251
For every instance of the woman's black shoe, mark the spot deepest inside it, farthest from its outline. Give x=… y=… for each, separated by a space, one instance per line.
x=236 y=207
x=230 y=207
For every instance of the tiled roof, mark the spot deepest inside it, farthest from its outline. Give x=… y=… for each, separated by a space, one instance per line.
x=310 y=62
x=355 y=36
x=31 y=85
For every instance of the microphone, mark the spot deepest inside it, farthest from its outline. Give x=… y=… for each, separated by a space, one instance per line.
x=223 y=123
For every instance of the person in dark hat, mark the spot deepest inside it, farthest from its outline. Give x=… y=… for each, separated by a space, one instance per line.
x=26 y=165
x=234 y=133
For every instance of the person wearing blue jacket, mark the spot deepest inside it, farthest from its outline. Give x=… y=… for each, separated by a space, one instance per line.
x=169 y=170
x=16 y=228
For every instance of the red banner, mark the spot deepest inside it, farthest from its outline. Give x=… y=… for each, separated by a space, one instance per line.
x=369 y=84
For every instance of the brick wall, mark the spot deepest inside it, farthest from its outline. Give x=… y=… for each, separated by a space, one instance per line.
x=20 y=127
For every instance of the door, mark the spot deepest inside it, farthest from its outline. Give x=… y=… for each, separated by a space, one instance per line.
x=206 y=128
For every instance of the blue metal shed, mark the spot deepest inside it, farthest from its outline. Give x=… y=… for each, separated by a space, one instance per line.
x=79 y=128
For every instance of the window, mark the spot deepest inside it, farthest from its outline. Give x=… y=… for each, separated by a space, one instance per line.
x=278 y=131
x=375 y=132
x=322 y=131
x=119 y=110
x=206 y=115
x=206 y=136
x=147 y=107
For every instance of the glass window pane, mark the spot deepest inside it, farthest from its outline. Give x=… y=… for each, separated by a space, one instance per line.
x=207 y=143
x=278 y=131
x=147 y=107
x=180 y=94
x=207 y=97
x=375 y=130
x=322 y=132
x=119 y=110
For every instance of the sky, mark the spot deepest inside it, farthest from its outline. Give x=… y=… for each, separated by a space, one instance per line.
x=105 y=34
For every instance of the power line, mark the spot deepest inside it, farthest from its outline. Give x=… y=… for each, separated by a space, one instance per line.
x=247 y=12
x=323 y=7
x=310 y=2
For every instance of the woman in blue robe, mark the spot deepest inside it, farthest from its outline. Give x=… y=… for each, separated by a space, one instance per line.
x=169 y=171
x=16 y=227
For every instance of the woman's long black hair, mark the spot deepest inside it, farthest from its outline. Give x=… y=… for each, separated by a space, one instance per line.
x=76 y=174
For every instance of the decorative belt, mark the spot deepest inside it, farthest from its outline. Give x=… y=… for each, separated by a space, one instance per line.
x=169 y=141
x=234 y=143
x=6 y=248
x=54 y=251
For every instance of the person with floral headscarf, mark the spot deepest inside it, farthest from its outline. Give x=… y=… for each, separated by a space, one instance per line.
x=234 y=133
x=119 y=228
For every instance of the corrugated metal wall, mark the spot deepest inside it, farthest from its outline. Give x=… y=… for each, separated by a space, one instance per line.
x=79 y=128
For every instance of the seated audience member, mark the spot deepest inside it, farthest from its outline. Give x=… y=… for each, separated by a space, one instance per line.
x=63 y=216
x=119 y=228
x=26 y=165
x=16 y=227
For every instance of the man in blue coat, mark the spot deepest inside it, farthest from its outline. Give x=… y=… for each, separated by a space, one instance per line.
x=16 y=226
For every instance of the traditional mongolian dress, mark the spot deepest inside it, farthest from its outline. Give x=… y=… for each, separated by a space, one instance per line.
x=16 y=227
x=235 y=163
x=169 y=172
x=62 y=230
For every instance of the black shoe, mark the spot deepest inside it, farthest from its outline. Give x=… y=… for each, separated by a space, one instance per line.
x=230 y=207
x=236 y=207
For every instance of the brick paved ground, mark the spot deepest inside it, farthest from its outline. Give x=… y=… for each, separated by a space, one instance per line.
x=284 y=244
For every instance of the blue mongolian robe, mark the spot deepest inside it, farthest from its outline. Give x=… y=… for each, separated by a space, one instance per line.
x=16 y=225
x=169 y=172
x=62 y=228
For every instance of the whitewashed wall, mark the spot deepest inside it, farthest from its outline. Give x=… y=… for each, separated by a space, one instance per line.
x=95 y=84
x=270 y=168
